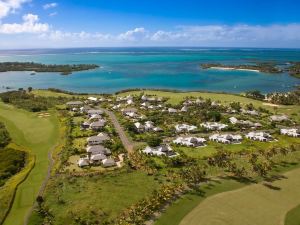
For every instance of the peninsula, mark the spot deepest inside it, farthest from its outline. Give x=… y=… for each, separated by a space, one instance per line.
x=38 y=67
x=262 y=67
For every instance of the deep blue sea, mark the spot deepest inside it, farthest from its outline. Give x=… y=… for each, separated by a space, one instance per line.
x=159 y=68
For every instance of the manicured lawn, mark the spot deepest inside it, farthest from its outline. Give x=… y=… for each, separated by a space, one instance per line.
x=100 y=197
x=255 y=204
x=39 y=135
x=180 y=208
x=293 y=216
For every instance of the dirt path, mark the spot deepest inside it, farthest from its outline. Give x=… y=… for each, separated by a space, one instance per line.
x=126 y=142
x=259 y=204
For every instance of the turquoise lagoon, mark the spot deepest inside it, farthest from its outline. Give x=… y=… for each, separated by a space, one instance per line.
x=155 y=68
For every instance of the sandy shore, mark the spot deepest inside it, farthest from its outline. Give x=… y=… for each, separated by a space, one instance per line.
x=231 y=68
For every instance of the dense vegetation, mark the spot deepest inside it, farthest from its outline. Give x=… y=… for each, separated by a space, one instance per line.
x=26 y=100
x=262 y=67
x=294 y=70
x=11 y=160
x=38 y=67
x=4 y=136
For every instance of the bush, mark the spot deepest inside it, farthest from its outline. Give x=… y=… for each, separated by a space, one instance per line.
x=4 y=136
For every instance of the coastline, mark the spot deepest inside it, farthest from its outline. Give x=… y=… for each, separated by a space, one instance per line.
x=231 y=68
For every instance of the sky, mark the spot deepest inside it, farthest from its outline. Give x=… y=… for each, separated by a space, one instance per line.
x=122 y=23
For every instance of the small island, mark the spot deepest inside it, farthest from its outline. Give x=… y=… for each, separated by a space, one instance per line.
x=261 y=67
x=38 y=67
x=294 y=69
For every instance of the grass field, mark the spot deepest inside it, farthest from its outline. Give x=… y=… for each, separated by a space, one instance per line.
x=38 y=135
x=100 y=197
x=255 y=204
x=293 y=216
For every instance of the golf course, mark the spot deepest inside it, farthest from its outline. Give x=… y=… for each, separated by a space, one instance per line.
x=39 y=135
x=259 y=204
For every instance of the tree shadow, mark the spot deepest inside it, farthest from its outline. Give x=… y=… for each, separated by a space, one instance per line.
x=272 y=187
x=275 y=178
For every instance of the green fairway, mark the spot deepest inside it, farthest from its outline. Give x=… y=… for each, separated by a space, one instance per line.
x=39 y=135
x=181 y=207
x=293 y=216
x=255 y=204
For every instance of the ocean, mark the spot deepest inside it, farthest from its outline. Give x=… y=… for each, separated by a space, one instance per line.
x=153 y=68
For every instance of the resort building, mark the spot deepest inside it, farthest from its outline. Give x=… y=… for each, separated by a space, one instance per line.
x=190 y=141
x=226 y=138
x=259 y=136
x=292 y=132
x=279 y=118
x=162 y=150
x=97 y=149
x=98 y=125
x=213 y=126
x=185 y=128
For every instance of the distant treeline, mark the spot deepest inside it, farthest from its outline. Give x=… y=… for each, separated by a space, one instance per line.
x=267 y=67
x=30 y=102
x=38 y=67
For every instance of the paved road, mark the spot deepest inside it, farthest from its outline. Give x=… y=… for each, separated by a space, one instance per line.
x=128 y=145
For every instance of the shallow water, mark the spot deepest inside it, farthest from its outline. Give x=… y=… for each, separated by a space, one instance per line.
x=166 y=68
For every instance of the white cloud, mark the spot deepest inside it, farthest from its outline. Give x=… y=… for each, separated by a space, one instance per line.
x=205 y=35
x=133 y=35
x=53 y=14
x=30 y=25
x=50 y=5
x=9 y=6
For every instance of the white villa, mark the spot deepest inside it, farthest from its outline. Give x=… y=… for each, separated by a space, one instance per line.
x=98 y=124
x=94 y=112
x=92 y=99
x=99 y=139
x=96 y=159
x=190 y=141
x=97 y=149
x=151 y=99
x=279 y=118
x=171 y=110
x=185 y=128
x=226 y=138
x=250 y=112
x=292 y=132
x=184 y=109
x=162 y=150
x=214 y=126
x=234 y=121
x=259 y=136
x=148 y=126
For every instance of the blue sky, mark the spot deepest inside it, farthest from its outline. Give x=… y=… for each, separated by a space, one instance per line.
x=92 y=23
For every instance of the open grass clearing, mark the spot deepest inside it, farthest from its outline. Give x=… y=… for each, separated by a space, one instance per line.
x=106 y=195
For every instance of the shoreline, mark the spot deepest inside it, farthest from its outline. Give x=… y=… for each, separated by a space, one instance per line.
x=232 y=68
